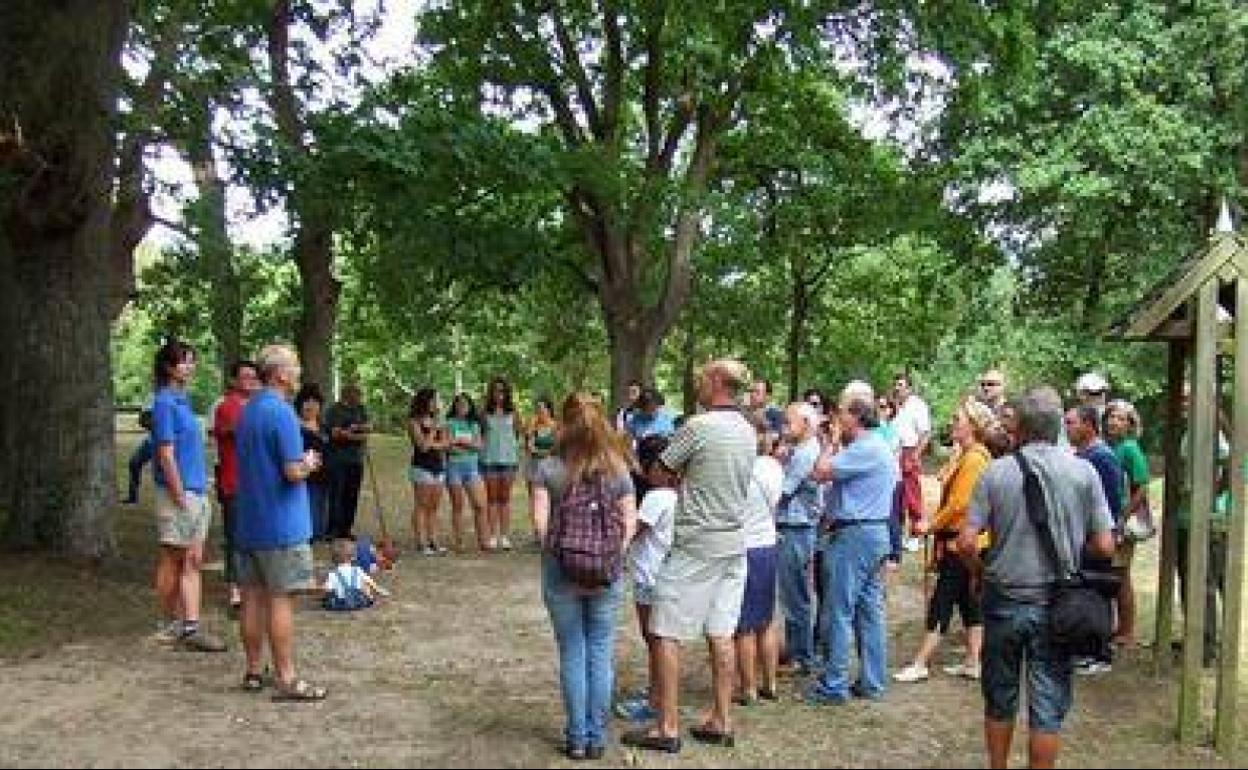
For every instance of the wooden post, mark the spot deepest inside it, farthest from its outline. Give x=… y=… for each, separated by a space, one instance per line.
x=1201 y=449
x=1167 y=566
x=1226 y=722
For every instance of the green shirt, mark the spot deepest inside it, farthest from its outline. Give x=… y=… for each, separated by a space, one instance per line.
x=457 y=428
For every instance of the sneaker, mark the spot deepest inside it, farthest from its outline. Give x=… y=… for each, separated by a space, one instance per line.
x=491 y=544
x=429 y=550
x=636 y=710
x=504 y=542
x=436 y=549
x=1094 y=668
x=199 y=641
x=167 y=632
x=963 y=670
x=911 y=673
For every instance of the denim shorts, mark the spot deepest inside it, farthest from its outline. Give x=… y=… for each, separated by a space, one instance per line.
x=1014 y=633
x=422 y=477
x=462 y=474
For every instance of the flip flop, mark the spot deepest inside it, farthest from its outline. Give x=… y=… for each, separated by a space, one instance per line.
x=712 y=736
x=300 y=690
x=644 y=739
x=253 y=682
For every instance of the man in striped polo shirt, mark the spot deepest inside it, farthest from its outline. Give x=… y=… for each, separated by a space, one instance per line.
x=699 y=587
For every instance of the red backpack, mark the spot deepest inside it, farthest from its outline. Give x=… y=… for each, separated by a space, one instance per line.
x=587 y=534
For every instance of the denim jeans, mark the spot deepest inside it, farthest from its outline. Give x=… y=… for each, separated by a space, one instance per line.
x=584 y=625
x=796 y=550
x=1016 y=633
x=854 y=611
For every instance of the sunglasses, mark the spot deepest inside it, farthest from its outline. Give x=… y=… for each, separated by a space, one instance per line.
x=989 y=383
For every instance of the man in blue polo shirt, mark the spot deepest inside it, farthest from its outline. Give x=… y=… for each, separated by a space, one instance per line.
x=182 y=511
x=273 y=524
x=858 y=509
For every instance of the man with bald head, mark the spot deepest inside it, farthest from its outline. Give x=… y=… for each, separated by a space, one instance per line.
x=992 y=390
x=699 y=588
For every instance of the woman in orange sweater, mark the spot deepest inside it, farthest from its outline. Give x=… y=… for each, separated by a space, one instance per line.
x=972 y=423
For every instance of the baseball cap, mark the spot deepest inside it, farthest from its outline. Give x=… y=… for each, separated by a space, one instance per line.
x=1091 y=383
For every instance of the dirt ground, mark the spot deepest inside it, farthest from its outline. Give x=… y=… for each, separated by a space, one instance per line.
x=457 y=669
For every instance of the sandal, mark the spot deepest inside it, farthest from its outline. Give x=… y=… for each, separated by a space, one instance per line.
x=253 y=682
x=300 y=690
x=710 y=735
x=644 y=739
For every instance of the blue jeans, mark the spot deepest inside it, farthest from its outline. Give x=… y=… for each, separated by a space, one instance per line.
x=854 y=611
x=584 y=625
x=795 y=550
x=1014 y=633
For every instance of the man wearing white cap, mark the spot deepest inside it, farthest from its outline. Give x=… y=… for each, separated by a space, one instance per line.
x=1092 y=390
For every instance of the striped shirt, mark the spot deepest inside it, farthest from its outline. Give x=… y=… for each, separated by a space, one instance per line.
x=714 y=454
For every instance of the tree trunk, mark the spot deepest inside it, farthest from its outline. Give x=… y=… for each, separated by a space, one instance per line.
x=633 y=347
x=320 y=290
x=798 y=315
x=314 y=233
x=59 y=82
x=689 y=375
x=216 y=252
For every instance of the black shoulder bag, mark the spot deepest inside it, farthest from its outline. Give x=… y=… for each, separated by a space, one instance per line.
x=1081 y=618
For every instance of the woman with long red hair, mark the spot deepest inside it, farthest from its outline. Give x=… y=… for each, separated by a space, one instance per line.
x=587 y=468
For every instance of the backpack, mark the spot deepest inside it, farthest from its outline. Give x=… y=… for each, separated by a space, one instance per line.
x=586 y=536
x=353 y=596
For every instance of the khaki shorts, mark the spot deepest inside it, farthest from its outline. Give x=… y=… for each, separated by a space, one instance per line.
x=280 y=570
x=696 y=597
x=182 y=527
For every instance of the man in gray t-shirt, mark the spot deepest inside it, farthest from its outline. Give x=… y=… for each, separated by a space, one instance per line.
x=1018 y=571
x=698 y=588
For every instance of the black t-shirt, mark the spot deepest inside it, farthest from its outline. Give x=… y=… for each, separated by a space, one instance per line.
x=431 y=460
x=315 y=439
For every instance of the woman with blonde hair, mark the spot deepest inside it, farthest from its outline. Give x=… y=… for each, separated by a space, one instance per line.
x=586 y=468
x=972 y=423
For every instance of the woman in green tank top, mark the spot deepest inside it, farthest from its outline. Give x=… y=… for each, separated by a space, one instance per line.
x=500 y=458
x=539 y=443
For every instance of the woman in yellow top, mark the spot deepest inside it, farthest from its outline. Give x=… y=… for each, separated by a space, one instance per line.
x=972 y=423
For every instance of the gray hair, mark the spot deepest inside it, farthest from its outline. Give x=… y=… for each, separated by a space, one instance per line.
x=275 y=358
x=858 y=399
x=1039 y=413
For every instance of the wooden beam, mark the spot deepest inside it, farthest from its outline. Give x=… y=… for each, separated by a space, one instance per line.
x=1181 y=329
x=1201 y=449
x=1222 y=248
x=1226 y=721
x=1173 y=489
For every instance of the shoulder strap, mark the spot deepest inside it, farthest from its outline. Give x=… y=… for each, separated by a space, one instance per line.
x=1038 y=512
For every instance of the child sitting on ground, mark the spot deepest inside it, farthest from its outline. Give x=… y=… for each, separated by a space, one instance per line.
x=655 y=521
x=347 y=586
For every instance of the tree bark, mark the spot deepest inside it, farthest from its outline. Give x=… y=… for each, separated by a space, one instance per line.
x=216 y=252
x=796 y=340
x=314 y=229
x=59 y=82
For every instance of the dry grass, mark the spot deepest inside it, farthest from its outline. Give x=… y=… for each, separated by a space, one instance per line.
x=457 y=669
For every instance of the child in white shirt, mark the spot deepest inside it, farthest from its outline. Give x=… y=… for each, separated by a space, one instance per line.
x=656 y=517
x=347 y=586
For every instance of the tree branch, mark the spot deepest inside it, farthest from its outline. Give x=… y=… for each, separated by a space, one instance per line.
x=574 y=69
x=650 y=83
x=613 y=82
x=282 y=93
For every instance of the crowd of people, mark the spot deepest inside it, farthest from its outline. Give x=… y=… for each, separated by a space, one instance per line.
x=770 y=531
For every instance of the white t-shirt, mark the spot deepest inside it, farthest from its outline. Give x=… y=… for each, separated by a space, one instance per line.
x=345 y=576
x=649 y=549
x=766 y=485
x=913 y=419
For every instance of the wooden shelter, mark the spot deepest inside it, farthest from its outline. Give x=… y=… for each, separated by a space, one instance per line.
x=1201 y=311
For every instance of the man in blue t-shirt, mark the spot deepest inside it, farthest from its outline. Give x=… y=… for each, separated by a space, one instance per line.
x=649 y=417
x=274 y=523
x=182 y=511
x=858 y=509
